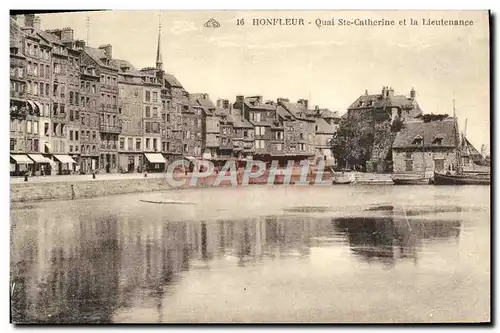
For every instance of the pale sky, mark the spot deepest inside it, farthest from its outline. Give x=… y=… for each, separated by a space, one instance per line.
x=331 y=66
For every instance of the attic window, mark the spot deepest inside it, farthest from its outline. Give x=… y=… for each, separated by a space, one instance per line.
x=437 y=141
x=360 y=103
x=369 y=103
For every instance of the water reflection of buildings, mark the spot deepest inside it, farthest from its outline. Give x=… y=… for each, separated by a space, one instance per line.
x=81 y=267
x=394 y=236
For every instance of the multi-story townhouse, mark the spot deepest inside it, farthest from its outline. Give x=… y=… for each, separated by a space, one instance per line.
x=243 y=137
x=130 y=109
x=86 y=100
x=226 y=129
x=151 y=121
x=19 y=106
x=109 y=122
x=326 y=125
x=261 y=116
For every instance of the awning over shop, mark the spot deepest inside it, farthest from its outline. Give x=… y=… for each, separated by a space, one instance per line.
x=64 y=158
x=190 y=158
x=39 y=158
x=39 y=106
x=33 y=106
x=21 y=159
x=155 y=158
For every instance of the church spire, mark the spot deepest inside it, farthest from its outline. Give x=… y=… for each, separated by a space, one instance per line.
x=159 y=62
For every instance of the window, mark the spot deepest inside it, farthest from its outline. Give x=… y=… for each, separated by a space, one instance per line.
x=103 y=80
x=302 y=146
x=168 y=117
x=148 y=127
x=35 y=127
x=155 y=127
x=71 y=135
x=138 y=144
x=279 y=147
x=93 y=88
x=147 y=143
x=76 y=135
x=13 y=144
x=437 y=141
x=408 y=155
x=155 y=96
x=259 y=130
x=47 y=89
x=438 y=164
x=42 y=70
x=28 y=126
x=409 y=165
x=279 y=135
x=122 y=143
x=155 y=112
x=148 y=112
x=130 y=143
x=41 y=88
x=46 y=129
x=260 y=144
x=87 y=86
x=12 y=125
x=148 y=96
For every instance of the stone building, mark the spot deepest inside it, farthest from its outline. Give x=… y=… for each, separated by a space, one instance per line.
x=109 y=122
x=131 y=111
x=210 y=129
x=426 y=146
x=226 y=129
x=382 y=115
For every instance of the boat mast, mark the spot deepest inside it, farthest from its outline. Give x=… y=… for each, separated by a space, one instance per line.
x=457 y=140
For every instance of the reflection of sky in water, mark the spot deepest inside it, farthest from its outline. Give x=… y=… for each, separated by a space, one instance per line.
x=258 y=254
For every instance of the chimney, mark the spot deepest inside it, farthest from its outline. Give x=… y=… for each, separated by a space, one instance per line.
x=384 y=91
x=390 y=92
x=37 y=23
x=304 y=103
x=80 y=44
x=219 y=103
x=67 y=35
x=413 y=93
x=107 y=50
x=225 y=104
x=366 y=92
x=282 y=99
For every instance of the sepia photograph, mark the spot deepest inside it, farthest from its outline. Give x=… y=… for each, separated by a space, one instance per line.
x=250 y=166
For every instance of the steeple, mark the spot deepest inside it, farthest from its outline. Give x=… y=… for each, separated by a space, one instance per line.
x=159 y=62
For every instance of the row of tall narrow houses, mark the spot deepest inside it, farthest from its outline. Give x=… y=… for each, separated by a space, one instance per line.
x=77 y=109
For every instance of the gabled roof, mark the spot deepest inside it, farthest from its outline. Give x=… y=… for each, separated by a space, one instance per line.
x=261 y=106
x=49 y=37
x=378 y=101
x=284 y=113
x=118 y=63
x=428 y=131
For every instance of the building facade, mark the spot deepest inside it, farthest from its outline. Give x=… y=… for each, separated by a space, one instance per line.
x=426 y=146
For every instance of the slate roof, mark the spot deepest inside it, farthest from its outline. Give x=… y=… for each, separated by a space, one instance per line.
x=282 y=112
x=172 y=81
x=428 y=131
x=262 y=106
x=124 y=63
x=97 y=55
x=378 y=101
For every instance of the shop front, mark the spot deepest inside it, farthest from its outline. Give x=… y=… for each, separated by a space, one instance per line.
x=20 y=164
x=155 y=162
x=42 y=166
x=64 y=164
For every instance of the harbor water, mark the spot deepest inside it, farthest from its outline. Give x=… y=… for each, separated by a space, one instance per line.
x=329 y=254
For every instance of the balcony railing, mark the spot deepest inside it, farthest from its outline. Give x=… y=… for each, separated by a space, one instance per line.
x=117 y=129
x=14 y=93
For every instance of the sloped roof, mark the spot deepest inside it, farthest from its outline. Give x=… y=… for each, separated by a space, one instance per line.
x=323 y=127
x=470 y=148
x=282 y=112
x=378 y=101
x=118 y=63
x=428 y=131
x=97 y=55
x=50 y=37
x=262 y=106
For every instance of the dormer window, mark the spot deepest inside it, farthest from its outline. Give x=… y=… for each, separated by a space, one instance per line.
x=418 y=140
x=438 y=140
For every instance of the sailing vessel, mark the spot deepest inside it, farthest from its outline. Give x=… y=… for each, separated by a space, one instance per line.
x=460 y=177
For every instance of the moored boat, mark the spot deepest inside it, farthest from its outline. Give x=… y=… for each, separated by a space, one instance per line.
x=410 y=180
x=341 y=178
x=461 y=179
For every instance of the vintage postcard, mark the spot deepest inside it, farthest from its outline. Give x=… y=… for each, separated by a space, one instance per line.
x=250 y=167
